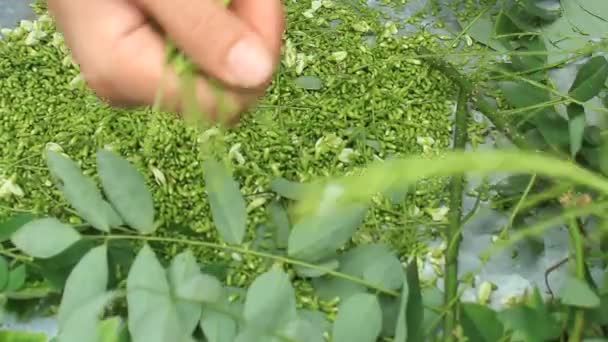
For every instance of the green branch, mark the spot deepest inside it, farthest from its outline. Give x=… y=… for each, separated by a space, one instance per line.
x=480 y=102
x=453 y=235
x=579 y=258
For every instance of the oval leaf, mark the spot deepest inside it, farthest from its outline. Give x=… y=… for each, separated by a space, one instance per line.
x=480 y=323
x=153 y=316
x=189 y=283
x=270 y=301
x=80 y=191
x=45 y=238
x=113 y=330
x=227 y=204
x=359 y=319
x=10 y=226
x=286 y=188
x=590 y=79
x=309 y=82
x=316 y=238
x=88 y=279
x=576 y=127
x=523 y=94
x=576 y=292
x=126 y=190
x=82 y=324
x=218 y=327
x=16 y=278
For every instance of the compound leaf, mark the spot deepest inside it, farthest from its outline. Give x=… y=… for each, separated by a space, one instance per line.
x=10 y=226
x=82 y=324
x=480 y=323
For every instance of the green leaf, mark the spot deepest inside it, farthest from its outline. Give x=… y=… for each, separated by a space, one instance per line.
x=553 y=128
x=153 y=316
x=480 y=323
x=10 y=226
x=590 y=79
x=528 y=62
x=226 y=201
x=302 y=331
x=44 y=238
x=544 y=9
x=4 y=274
x=287 y=189
x=113 y=330
x=126 y=190
x=576 y=126
x=309 y=82
x=359 y=319
x=280 y=221
x=189 y=283
x=270 y=301
x=22 y=336
x=218 y=326
x=575 y=292
x=81 y=192
x=532 y=324
x=385 y=272
x=481 y=30
x=523 y=94
x=415 y=306
x=87 y=280
x=16 y=278
x=316 y=238
x=82 y=324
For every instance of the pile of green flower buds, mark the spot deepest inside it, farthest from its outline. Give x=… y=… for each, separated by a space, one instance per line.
x=348 y=92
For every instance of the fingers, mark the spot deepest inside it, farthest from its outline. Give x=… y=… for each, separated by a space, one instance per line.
x=122 y=57
x=239 y=48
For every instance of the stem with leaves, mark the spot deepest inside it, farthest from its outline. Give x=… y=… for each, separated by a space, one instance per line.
x=453 y=235
x=480 y=102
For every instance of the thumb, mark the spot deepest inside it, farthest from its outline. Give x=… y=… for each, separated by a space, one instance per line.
x=222 y=44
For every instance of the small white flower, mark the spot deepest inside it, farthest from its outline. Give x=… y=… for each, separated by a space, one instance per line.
x=26 y=25
x=256 y=203
x=290 y=53
x=415 y=211
x=484 y=292
x=10 y=188
x=315 y=5
x=208 y=134
x=77 y=81
x=159 y=176
x=361 y=26
x=34 y=37
x=339 y=56
x=439 y=214
x=5 y=31
x=53 y=147
x=235 y=153
x=425 y=141
x=300 y=63
x=58 y=39
x=347 y=155
x=236 y=257
x=328 y=3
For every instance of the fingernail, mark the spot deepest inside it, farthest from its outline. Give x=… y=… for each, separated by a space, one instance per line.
x=249 y=62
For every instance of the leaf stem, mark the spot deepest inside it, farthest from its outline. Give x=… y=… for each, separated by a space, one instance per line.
x=242 y=250
x=579 y=261
x=453 y=235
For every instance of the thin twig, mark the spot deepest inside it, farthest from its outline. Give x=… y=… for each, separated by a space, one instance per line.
x=550 y=270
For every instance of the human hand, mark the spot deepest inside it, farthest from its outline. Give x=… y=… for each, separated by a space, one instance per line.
x=122 y=54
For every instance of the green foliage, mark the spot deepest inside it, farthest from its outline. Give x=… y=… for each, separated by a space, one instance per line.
x=355 y=286
x=226 y=201
x=359 y=319
x=45 y=238
x=126 y=190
